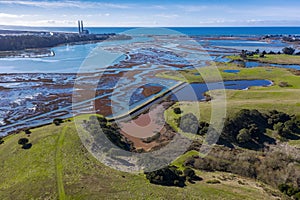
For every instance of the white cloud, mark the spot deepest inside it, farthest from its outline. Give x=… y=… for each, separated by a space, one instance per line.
x=168 y=16
x=6 y=15
x=66 y=4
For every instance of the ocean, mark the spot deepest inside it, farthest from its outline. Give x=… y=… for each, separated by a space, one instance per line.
x=202 y=31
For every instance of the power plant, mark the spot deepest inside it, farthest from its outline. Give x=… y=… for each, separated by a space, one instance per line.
x=80 y=28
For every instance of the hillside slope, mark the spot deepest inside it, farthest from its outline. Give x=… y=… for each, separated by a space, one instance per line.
x=57 y=166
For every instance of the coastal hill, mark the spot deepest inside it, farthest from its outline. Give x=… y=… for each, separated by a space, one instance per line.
x=57 y=166
x=21 y=40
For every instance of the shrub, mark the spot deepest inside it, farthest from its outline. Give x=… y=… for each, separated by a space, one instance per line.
x=27 y=131
x=23 y=141
x=213 y=181
x=244 y=136
x=189 y=172
x=168 y=176
x=27 y=146
x=189 y=123
x=57 y=121
x=288 y=50
x=284 y=84
x=177 y=111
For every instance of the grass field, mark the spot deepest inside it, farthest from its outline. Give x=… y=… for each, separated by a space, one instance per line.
x=272 y=59
x=285 y=99
x=58 y=167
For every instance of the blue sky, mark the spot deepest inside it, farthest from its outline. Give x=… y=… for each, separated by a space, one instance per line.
x=116 y=13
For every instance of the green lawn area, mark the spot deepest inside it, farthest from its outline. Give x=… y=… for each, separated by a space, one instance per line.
x=285 y=99
x=272 y=58
x=57 y=166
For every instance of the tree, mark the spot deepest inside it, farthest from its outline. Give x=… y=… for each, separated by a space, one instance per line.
x=23 y=141
x=177 y=110
x=168 y=176
x=243 y=54
x=288 y=50
x=189 y=123
x=244 y=136
x=57 y=121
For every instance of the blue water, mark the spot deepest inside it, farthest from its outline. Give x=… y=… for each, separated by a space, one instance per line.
x=203 y=31
x=251 y=64
x=231 y=71
x=195 y=91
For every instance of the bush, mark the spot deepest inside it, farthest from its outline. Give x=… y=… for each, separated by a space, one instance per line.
x=168 y=176
x=213 y=181
x=27 y=131
x=284 y=84
x=57 y=121
x=288 y=50
x=23 y=141
x=177 y=111
x=1 y=141
x=188 y=172
x=189 y=123
x=27 y=146
x=244 y=136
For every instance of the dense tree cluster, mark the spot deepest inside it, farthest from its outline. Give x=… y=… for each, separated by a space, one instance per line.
x=25 y=143
x=247 y=127
x=288 y=50
x=290 y=190
x=172 y=176
x=45 y=40
x=97 y=125
x=274 y=166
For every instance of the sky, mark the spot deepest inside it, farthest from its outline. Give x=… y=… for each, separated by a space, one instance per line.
x=156 y=13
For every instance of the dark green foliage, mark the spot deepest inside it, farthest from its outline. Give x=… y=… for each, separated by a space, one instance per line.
x=213 y=181
x=273 y=166
x=244 y=136
x=297 y=196
x=243 y=54
x=168 y=176
x=203 y=128
x=23 y=141
x=27 y=131
x=27 y=146
x=1 y=141
x=30 y=41
x=97 y=125
x=252 y=120
x=288 y=50
x=247 y=128
x=58 y=121
x=189 y=123
x=274 y=117
x=177 y=111
x=289 y=190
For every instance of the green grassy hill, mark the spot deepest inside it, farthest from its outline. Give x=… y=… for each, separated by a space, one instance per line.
x=57 y=166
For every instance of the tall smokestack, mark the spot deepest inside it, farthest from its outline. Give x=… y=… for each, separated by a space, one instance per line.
x=81 y=26
x=79 y=29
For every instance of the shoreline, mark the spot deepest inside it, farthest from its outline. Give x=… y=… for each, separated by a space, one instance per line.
x=16 y=43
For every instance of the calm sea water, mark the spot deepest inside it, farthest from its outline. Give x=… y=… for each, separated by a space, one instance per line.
x=203 y=31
